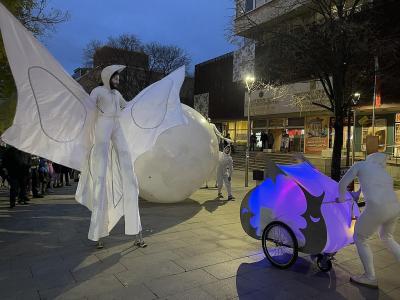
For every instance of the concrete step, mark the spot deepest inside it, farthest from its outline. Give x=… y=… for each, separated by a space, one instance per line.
x=257 y=160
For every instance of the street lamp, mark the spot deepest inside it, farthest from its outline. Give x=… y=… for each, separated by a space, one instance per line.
x=249 y=80
x=355 y=99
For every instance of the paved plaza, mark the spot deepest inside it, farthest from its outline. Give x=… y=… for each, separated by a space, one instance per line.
x=197 y=250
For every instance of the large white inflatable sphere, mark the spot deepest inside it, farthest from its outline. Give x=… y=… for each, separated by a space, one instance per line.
x=180 y=162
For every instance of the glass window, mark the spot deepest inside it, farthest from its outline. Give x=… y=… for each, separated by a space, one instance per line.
x=260 y=123
x=249 y=5
x=241 y=131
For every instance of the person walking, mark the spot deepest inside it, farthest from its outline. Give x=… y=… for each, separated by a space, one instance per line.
x=381 y=212
x=224 y=172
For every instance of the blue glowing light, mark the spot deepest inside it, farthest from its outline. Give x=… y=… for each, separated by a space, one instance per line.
x=304 y=199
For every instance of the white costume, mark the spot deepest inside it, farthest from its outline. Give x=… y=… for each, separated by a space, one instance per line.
x=108 y=128
x=219 y=135
x=224 y=171
x=380 y=214
x=220 y=138
x=58 y=120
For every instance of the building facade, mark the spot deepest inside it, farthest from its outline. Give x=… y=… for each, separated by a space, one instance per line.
x=217 y=97
x=288 y=111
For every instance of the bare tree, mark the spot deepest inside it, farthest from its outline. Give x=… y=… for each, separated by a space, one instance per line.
x=127 y=42
x=89 y=51
x=36 y=15
x=333 y=41
x=165 y=58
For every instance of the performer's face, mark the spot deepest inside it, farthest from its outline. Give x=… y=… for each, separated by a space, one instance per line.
x=114 y=81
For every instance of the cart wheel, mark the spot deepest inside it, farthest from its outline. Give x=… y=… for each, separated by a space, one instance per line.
x=324 y=263
x=280 y=245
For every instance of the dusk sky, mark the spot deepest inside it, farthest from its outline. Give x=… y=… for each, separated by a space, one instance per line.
x=197 y=26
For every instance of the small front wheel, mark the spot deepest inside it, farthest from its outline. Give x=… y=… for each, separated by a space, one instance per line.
x=279 y=245
x=324 y=263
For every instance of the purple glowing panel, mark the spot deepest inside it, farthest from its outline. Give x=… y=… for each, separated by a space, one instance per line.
x=301 y=197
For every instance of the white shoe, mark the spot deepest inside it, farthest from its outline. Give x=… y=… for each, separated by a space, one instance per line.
x=99 y=245
x=140 y=243
x=364 y=280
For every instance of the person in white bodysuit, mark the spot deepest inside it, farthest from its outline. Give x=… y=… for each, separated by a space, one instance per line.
x=220 y=138
x=224 y=172
x=380 y=214
x=109 y=103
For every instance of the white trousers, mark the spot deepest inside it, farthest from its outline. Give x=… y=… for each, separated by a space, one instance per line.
x=108 y=129
x=221 y=180
x=382 y=219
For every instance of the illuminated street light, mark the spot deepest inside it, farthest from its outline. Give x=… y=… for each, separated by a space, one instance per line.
x=249 y=80
x=354 y=99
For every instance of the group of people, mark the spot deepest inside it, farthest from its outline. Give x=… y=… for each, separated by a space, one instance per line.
x=267 y=140
x=27 y=174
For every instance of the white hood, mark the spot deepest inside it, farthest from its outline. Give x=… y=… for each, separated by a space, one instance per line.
x=108 y=72
x=377 y=158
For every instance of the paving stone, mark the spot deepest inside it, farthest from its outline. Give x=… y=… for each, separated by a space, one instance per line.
x=90 y=288
x=230 y=288
x=133 y=292
x=192 y=294
x=101 y=268
x=202 y=260
x=144 y=271
x=131 y=259
x=175 y=284
x=230 y=269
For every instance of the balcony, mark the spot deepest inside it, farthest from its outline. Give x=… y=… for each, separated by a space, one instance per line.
x=253 y=16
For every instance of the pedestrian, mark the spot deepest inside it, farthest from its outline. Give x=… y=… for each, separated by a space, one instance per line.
x=51 y=176
x=17 y=164
x=285 y=142
x=264 y=140
x=56 y=175
x=221 y=141
x=43 y=175
x=224 y=172
x=253 y=142
x=3 y=170
x=35 y=177
x=381 y=212
x=65 y=173
x=270 y=139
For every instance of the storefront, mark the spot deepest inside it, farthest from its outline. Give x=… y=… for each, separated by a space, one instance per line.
x=277 y=112
x=317 y=134
x=384 y=128
x=387 y=128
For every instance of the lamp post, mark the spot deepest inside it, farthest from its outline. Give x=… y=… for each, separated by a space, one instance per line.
x=355 y=98
x=249 y=85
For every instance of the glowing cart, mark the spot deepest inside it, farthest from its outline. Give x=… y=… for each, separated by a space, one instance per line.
x=294 y=210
